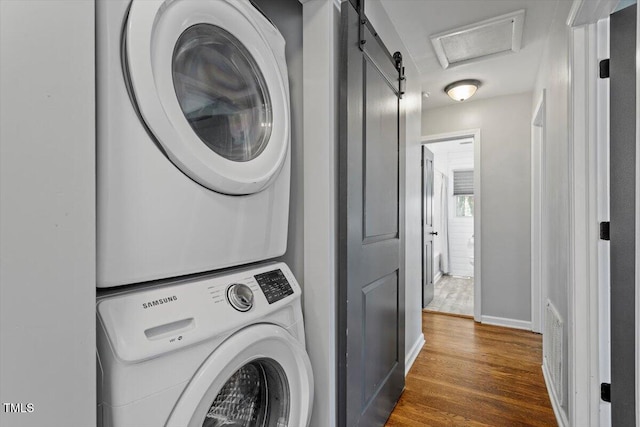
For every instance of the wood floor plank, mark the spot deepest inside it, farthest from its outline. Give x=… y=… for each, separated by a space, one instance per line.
x=469 y=374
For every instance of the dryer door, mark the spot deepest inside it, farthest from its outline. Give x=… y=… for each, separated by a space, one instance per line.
x=260 y=377
x=209 y=81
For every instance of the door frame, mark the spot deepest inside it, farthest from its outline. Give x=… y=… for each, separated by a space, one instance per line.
x=583 y=345
x=477 y=222
x=604 y=285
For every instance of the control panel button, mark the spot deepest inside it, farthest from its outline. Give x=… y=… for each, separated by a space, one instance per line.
x=240 y=297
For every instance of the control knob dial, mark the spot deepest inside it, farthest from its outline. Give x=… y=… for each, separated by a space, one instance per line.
x=240 y=296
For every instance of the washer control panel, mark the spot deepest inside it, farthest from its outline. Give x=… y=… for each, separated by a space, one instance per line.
x=144 y=323
x=274 y=285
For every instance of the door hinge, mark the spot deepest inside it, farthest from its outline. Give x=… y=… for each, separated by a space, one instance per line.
x=604 y=230
x=604 y=69
x=605 y=392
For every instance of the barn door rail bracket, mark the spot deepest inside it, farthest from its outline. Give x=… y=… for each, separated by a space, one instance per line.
x=402 y=80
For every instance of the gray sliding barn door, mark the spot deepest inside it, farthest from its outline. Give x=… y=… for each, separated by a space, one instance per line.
x=623 y=183
x=370 y=220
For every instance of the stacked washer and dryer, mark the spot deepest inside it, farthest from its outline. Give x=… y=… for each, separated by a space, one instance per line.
x=193 y=191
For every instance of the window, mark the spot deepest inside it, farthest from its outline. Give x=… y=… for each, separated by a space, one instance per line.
x=463 y=192
x=464 y=205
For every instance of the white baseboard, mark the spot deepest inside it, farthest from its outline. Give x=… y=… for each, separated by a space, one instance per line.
x=561 y=416
x=437 y=276
x=509 y=323
x=413 y=354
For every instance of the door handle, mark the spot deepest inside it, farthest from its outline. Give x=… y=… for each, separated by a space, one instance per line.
x=433 y=233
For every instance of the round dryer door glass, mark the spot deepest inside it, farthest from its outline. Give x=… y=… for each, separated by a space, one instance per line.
x=256 y=395
x=222 y=92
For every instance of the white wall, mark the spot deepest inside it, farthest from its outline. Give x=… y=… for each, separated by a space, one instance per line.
x=47 y=214
x=460 y=228
x=438 y=176
x=553 y=76
x=504 y=123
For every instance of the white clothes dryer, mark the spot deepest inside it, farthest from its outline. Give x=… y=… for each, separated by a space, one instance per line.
x=193 y=140
x=213 y=351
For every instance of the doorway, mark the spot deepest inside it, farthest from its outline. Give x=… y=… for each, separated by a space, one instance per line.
x=451 y=224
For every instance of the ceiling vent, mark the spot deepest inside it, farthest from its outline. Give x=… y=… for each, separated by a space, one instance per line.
x=499 y=35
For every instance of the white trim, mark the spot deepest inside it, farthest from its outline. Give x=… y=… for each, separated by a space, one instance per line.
x=437 y=277
x=507 y=323
x=589 y=11
x=583 y=331
x=477 y=218
x=561 y=416
x=410 y=357
x=602 y=156
x=320 y=31
x=538 y=291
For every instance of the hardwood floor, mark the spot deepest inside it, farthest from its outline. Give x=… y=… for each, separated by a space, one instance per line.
x=470 y=374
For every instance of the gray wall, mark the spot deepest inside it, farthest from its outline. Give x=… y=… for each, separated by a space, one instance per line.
x=47 y=214
x=505 y=126
x=287 y=16
x=554 y=77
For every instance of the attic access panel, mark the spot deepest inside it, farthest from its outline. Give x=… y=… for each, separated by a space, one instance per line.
x=499 y=35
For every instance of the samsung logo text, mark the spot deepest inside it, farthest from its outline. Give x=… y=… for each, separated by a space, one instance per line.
x=154 y=303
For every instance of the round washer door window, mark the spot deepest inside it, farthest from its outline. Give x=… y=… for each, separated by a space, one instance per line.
x=210 y=82
x=222 y=92
x=259 y=377
x=256 y=395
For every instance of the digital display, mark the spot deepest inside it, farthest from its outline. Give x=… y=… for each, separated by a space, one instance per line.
x=274 y=285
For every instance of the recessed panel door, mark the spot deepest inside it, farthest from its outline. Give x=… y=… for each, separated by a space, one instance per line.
x=371 y=278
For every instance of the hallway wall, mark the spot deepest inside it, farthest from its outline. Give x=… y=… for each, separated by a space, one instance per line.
x=47 y=213
x=553 y=76
x=504 y=123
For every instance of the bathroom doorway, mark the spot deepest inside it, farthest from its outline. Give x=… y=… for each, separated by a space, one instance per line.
x=450 y=205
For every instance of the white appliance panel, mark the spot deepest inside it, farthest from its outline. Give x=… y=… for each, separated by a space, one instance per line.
x=153 y=220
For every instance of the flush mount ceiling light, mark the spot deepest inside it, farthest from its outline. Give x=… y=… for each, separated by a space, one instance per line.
x=462 y=89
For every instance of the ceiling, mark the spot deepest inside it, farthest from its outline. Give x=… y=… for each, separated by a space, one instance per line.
x=417 y=20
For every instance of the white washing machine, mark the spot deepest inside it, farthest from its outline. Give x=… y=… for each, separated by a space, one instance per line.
x=218 y=350
x=193 y=140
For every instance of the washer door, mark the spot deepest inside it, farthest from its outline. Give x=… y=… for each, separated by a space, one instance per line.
x=207 y=84
x=260 y=377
